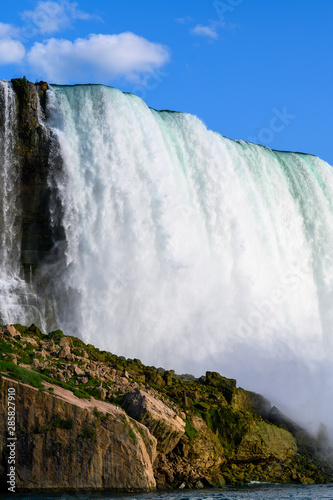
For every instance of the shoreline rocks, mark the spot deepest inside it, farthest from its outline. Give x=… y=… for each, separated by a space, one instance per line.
x=88 y=419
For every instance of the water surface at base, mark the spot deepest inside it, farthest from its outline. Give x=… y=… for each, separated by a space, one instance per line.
x=258 y=492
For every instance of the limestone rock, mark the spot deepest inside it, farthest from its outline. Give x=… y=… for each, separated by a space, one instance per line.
x=205 y=450
x=66 y=341
x=76 y=370
x=263 y=441
x=36 y=362
x=43 y=353
x=251 y=401
x=104 y=452
x=64 y=352
x=47 y=345
x=199 y=485
x=14 y=360
x=10 y=330
x=199 y=457
x=226 y=385
x=30 y=341
x=161 y=420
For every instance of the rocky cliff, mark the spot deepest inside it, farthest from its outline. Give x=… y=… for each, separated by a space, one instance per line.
x=34 y=208
x=33 y=149
x=64 y=442
x=87 y=419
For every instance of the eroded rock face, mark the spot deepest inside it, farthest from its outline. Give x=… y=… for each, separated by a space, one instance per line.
x=33 y=150
x=202 y=439
x=161 y=420
x=67 y=444
x=263 y=441
x=205 y=449
x=250 y=401
x=193 y=460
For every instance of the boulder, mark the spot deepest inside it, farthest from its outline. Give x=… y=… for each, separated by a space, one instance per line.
x=10 y=330
x=76 y=370
x=225 y=385
x=263 y=441
x=160 y=419
x=64 y=352
x=30 y=341
x=66 y=341
x=47 y=345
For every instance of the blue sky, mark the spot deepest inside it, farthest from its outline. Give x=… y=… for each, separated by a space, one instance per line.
x=250 y=69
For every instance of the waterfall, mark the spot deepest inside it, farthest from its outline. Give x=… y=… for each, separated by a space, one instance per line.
x=189 y=250
x=18 y=301
x=9 y=208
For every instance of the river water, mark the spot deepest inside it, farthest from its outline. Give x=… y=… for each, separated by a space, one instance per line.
x=258 y=492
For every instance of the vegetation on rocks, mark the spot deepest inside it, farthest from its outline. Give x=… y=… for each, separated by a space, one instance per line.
x=207 y=431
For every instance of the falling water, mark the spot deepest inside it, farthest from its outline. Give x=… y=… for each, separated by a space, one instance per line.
x=18 y=302
x=192 y=251
x=9 y=173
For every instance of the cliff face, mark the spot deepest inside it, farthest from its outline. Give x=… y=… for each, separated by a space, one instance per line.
x=33 y=149
x=66 y=443
x=92 y=420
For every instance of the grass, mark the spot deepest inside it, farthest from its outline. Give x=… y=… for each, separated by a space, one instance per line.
x=132 y=435
x=22 y=374
x=80 y=394
x=189 y=429
x=5 y=348
x=35 y=379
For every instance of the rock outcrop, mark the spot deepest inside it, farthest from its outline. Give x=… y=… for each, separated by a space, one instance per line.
x=87 y=419
x=250 y=401
x=66 y=443
x=33 y=149
x=161 y=420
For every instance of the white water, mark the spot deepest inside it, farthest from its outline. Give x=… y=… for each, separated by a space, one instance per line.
x=17 y=300
x=192 y=251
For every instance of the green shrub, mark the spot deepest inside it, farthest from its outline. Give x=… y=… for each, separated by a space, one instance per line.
x=97 y=413
x=88 y=433
x=63 y=423
x=132 y=435
x=56 y=335
x=80 y=394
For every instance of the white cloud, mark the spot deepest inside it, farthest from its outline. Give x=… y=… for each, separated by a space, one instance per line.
x=206 y=31
x=7 y=30
x=11 y=51
x=98 y=58
x=51 y=16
